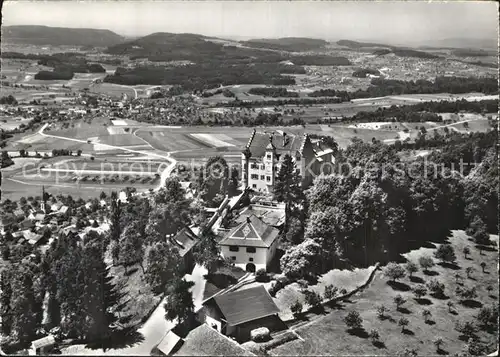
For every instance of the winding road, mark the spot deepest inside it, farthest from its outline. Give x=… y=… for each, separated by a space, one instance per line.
x=165 y=173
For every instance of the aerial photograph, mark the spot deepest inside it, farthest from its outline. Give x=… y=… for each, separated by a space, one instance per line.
x=249 y=178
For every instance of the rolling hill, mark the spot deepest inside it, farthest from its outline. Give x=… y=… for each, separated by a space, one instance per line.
x=386 y=49
x=57 y=36
x=474 y=43
x=165 y=47
x=291 y=44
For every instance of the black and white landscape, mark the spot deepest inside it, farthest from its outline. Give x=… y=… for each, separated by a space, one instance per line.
x=249 y=178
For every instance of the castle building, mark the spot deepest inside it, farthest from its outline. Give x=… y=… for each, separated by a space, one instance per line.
x=262 y=157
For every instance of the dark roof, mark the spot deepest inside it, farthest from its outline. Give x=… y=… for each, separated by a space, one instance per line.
x=272 y=216
x=27 y=223
x=206 y=341
x=169 y=342
x=260 y=141
x=246 y=305
x=185 y=240
x=252 y=233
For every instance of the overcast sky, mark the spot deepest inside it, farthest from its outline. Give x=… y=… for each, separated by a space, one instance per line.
x=396 y=22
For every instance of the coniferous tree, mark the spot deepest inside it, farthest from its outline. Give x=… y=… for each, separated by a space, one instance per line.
x=288 y=187
x=99 y=295
x=115 y=228
x=24 y=310
x=5 y=301
x=69 y=275
x=233 y=182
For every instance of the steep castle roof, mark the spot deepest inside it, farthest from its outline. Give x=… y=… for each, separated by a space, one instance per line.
x=280 y=142
x=252 y=233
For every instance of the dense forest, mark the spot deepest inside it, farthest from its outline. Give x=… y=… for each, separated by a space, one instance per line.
x=165 y=47
x=363 y=72
x=319 y=60
x=54 y=75
x=405 y=52
x=425 y=111
x=273 y=92
x=291 y=44
x=280 y=102
x=381 y=52
x=61 y=62
x=207 y=75
x=8 y=99
x=376 y=206
x=382 y=87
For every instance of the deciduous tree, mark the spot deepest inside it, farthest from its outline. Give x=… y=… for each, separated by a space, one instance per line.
x=353 y=320
x=163 y=266
x=411 y=268
x=394 y=271
x=426 y=262
x=445 y=253
x=301 y=261
x=179 y=304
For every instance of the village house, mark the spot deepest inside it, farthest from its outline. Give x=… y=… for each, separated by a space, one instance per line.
x=26 y=224
x=42 y=346
x=263 y=155
x=237 y=313
x=251 y=245
x=31 y=237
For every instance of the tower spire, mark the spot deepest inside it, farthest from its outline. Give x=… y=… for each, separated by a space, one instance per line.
x=42 y=205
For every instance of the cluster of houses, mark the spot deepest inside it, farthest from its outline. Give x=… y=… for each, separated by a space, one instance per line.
x=33 y=224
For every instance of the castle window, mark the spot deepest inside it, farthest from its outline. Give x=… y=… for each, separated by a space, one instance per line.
x=268 y=178
x=262 y=177
x=233 y=248
x=251 y=250
x=254 y=166
x=254 y=177
x=268 y=156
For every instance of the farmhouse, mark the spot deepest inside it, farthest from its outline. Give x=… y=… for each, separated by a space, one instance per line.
x=251 y=245
x=237 y=313
x=262 y=157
